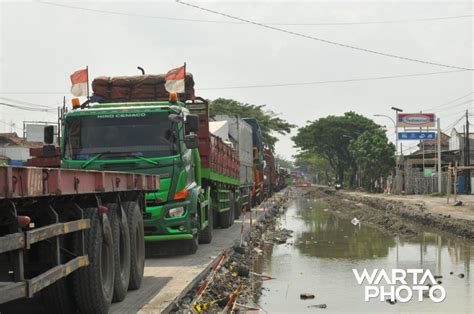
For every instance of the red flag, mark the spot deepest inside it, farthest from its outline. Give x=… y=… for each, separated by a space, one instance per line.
x=175 y=80
x=79 y=81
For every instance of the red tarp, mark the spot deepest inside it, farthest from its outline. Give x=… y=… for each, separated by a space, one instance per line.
x=139 y=87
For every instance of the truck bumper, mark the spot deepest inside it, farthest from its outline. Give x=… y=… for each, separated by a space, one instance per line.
x=160 y=227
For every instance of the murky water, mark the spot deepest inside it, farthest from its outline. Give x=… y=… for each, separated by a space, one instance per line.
x=326 y=248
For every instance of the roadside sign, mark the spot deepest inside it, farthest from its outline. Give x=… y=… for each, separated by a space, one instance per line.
x=417 y=136
x=416 y=120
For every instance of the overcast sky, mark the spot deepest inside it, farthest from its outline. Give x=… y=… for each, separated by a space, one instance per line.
x=41 y=45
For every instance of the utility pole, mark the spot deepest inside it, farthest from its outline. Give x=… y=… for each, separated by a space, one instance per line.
x=439 y=155
x=468 y=156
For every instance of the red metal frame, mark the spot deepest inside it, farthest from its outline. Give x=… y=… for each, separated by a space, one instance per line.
x=18 y=182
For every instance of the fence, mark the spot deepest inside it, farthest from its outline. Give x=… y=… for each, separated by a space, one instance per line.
x=414 y=182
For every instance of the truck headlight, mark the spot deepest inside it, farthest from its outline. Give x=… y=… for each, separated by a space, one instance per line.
x=176 y=212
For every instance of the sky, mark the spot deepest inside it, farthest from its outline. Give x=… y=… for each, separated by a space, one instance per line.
x=42 y=44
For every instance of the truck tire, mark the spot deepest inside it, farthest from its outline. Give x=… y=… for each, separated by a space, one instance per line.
x=194 y=242
x=205 y=235
x=238 y=208
x=137 y=243
x=121 y=237
x=224 y=219
x=58 y=298
x=232 y=205
x=94 y=284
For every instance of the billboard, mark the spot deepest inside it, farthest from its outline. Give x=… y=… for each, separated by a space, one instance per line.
x=406 y=136
x=416 y=120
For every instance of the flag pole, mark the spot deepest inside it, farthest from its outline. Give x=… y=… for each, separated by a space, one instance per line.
x=184 y=80
x=87 y=69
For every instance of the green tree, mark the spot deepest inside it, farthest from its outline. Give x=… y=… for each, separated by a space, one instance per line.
x=374 y=155
x=268 y=120
x=329 y=137
x=283 y=162
x=315 y=165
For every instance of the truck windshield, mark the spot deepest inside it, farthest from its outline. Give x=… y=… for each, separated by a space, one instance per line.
x=120 y=134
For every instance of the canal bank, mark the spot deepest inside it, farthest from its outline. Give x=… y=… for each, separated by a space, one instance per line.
x=401 y=214
x=327 y=244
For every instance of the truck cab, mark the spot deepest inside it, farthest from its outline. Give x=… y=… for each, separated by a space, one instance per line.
x=145 y=137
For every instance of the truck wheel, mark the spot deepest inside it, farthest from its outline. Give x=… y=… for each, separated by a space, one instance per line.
x=58 y=298
x=94 y=284
x=232 y=206
x=238 y=208
x=224 y=219
x=194 y=242
x=137 y=243
x=205 y=235
x=121 y=237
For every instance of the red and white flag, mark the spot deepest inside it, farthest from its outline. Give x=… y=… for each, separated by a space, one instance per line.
x=79 y=81
x=175 y=80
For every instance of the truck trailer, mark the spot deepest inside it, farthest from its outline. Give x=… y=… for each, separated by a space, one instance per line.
x=74 y=238
x=239 y=134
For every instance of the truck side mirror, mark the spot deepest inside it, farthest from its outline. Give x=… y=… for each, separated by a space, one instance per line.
x=49 y=134
x=191 y=141
x=192 y=123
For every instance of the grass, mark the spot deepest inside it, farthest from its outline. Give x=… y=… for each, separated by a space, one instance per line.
x=438 y=194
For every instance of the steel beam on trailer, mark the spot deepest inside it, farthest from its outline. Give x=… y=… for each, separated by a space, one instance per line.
x=28 y=182
x=56 y=229
x=54 y=274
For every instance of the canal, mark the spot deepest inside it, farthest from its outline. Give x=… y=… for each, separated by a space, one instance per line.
x=325 y=249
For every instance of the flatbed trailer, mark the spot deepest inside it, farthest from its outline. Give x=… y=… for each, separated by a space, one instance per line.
x=72 y=237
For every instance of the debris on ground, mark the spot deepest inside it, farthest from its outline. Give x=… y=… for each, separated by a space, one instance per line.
x=321 y=306
x=305 y=296
x=231 y=286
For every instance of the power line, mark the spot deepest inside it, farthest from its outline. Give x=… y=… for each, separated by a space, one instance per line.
x=327 y=41
x=267 y=23
x=27 y=108
x=376 y=78
x=449 y=102
x=24 y=102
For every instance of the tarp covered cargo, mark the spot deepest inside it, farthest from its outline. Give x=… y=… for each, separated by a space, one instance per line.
x=240 y=134
x=139 y=87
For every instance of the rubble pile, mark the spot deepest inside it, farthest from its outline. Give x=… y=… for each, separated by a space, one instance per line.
x=231 y=284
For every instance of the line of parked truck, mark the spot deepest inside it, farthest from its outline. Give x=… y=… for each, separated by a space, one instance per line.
x=131 y=148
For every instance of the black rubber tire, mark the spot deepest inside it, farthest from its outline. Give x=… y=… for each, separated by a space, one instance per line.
x=58 y=298
x=238 y=208
x=94 y=284
x=194 y=242
x=224 y=219
x=232 y=206
x=137 y=243
x=205 y=235
x=121 y=237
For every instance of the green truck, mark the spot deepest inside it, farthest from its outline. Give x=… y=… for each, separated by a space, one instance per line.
x=199 y=173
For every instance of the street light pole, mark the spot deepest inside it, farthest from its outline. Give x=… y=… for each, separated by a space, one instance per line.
x=395 y=126
x=397 y=110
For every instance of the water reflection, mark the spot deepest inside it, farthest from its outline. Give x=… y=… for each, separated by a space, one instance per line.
x=328 y=236
x=326 y=248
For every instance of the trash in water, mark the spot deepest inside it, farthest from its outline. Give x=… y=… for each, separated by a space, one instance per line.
x=461 y=275
x=326 y=209
x=437 y=276
x=391 y=301
x=321 y=306
x=305 y=296
x=355 y=221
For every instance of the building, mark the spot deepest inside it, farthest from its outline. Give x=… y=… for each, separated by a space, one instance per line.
x=14 y=149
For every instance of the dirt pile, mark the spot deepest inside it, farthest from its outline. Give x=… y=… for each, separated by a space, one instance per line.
x=230 y=285
x=393 y=216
